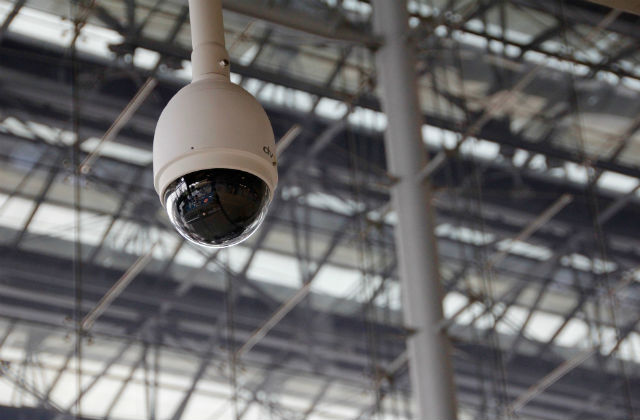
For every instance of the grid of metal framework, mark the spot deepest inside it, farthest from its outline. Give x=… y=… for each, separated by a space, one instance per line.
x=532 y=112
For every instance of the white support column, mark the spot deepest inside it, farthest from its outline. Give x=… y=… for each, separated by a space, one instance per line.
x=209 y=54
x=428 y=349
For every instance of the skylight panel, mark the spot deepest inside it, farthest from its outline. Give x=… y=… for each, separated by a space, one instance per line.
x=573 y=333
x=538 y=163
x=129 y=406
x=5 y=9
x=469 y=314
x=167 y=242
x=58 y=222
x=542 y=325
x=441 y=31
x=97 y=401
x=34 y=130
x=190 y=257
x=608 y=339
x=453 y=302
x=481 y=149
x=64 y=393
x=186 y=72
x=118 y=151
x=247 y=57
x=235 y=78
x=252 y=86
x=557 y=64
x=46 y=133
x=475 y=25
x=325 y=201
x=236 y=257
x=291 y=402
x=42 y=26
x=278 y=269
x=473 y=40
x=438 y=138
x=630 y=348
x=96 y=40
x=17 y=127
x=331 y=109
x=576 y=173
x=512 y=320
x=209 y=386
x=421 y=8
x=167 y=402
x=7 y=389
x=464 y=234
x=51 y=135
x=391 y=297
x=14 y=211
x=269 y=93
x=520 y=157
x=368 y=119
x=631 y=83
x=617 y=182
x=337 y=411
x=366 y=287
x=57 y=30
x=203 y=406
x=282 y=96
x=525 y=249
x=583 y=263
x=145 y=58
x=391 y=218
x=356 y=6
x=336 y=281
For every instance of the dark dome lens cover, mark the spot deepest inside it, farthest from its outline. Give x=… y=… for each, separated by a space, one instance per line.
x=217 y=207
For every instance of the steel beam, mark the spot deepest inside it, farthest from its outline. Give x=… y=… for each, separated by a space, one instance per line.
x=299 y=22
x=631 y=6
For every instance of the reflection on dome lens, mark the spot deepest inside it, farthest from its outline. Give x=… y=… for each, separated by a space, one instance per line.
x=217 y=207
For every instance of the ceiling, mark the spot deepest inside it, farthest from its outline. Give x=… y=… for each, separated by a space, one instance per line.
x=531 y=112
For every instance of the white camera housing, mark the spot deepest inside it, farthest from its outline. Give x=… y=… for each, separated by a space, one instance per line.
x=213 y=123
x=214 y=154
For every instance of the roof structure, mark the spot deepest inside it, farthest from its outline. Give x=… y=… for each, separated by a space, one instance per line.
x=531 y=118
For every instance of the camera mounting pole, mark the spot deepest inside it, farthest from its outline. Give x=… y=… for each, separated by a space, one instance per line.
x=209 y=56
x=428 y=349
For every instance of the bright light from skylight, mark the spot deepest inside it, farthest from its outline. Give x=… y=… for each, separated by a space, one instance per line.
x=119 y=151
x=14 y=211
x=54 y=29
x=542 y=325
x=336 y=281
x=525 y=249
x=464 y=234
x=617 y=182
x=279 y=269
x=331 y=109
x=583 y=263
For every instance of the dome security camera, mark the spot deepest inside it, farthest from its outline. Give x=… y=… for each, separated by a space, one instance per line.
x=214 y=162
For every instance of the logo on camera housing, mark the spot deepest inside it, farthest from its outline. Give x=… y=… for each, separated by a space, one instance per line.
x=272 y=155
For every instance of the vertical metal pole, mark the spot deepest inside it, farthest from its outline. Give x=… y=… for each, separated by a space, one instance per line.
x=428 y=349
x=209 y=56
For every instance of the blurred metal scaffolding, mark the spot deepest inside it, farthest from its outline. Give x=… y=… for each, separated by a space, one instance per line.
x=531 y=120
